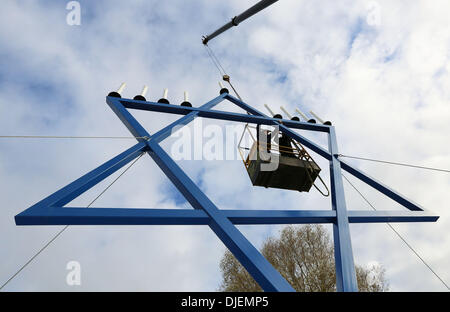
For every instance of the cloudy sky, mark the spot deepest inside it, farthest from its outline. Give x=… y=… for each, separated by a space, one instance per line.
x=380 y=70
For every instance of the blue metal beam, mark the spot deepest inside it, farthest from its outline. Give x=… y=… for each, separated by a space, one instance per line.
x=257 y=118
x=215 y=114
x=133 y=216
x=379 y=216
x=343 y=254
x=244 y=106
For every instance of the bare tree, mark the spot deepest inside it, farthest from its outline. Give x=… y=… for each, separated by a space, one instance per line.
x=304 y=256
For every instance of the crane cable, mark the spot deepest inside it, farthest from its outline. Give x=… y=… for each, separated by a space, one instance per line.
x=215 y=60
x=221 y=70
x=398 y=234
x=395 y=163
x=65 y=227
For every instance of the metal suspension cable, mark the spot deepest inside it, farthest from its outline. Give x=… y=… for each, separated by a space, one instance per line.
x=65 y=227
x=398 y=234
x=395 y=163
x=64 y=137
x=215 y=60
x=221 y=70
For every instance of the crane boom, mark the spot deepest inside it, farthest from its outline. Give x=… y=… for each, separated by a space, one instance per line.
x=261 y=5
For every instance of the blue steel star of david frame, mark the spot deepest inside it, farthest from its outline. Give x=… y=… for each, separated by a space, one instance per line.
x=51 y=210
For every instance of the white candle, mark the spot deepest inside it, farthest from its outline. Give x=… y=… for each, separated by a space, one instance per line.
x=285 y=111
x=301 y=114
x=122 y=86
x=144 y=91
x=268 y=108
x=318 y=118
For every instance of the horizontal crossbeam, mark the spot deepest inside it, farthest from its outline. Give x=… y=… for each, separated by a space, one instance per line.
x=133 y=216
x=216 y=114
